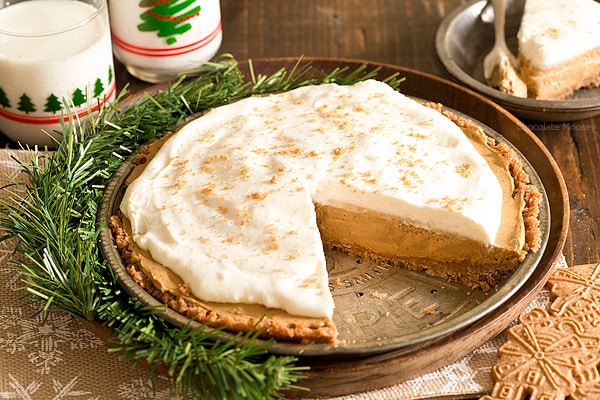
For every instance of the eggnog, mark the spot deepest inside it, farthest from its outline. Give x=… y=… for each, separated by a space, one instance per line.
x=55 y=60
x=156 y=39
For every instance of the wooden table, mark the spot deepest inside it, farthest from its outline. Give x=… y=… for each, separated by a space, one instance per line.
x=401 y=32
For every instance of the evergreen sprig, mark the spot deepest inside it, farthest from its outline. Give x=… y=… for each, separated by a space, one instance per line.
x=53 y=217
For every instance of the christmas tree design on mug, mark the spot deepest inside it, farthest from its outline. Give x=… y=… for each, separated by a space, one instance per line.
x=157 y=39
x=53 y=104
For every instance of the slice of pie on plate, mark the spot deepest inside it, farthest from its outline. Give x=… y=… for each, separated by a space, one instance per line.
x=559 y=47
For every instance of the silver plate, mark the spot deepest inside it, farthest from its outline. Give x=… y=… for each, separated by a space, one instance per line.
x=464 y=38
x=379 y=308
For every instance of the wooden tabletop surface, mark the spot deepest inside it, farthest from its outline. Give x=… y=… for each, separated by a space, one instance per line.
x=402 y=32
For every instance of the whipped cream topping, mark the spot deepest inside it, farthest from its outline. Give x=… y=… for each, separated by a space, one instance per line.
x=227 y=202
x=555 y=31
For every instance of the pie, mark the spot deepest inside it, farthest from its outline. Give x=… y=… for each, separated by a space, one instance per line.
x=226 y=220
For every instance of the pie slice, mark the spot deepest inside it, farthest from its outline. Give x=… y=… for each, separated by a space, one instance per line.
x=559 y=47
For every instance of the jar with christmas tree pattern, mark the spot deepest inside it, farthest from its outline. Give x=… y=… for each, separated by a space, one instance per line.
x=158 y=39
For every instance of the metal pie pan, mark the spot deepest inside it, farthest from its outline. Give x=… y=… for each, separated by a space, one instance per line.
x=379 y=308
x=465 y=37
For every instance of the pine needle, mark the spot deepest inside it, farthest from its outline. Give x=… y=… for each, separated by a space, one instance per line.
x=53 y=217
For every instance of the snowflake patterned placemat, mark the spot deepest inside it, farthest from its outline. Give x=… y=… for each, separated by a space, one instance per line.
x=63 y=359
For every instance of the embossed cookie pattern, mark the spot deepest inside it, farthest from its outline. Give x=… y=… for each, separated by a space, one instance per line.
x=555 y=354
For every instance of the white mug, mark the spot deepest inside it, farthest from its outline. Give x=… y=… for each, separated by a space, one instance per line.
x=157 y=39
x=55 y=64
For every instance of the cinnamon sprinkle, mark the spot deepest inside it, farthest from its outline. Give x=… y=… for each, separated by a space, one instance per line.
x=258 y=195
x=464 y=170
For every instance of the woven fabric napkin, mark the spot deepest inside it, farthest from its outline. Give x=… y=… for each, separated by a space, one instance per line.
x=63 y=359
